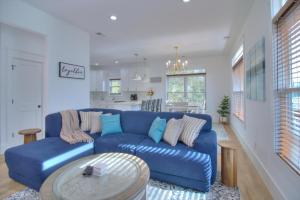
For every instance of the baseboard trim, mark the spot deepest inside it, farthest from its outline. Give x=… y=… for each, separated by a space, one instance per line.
x=266 y=177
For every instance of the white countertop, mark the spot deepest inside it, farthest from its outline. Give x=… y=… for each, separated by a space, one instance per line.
x=122 y=105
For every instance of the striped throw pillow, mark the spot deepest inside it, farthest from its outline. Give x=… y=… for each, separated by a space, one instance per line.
x=85 y=121
x=88 y=120
x=192 y=127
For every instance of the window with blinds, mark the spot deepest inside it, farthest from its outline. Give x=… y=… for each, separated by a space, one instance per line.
x=287 y=85
x=238 y=89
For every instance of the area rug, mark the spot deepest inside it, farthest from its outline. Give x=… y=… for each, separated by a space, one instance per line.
x=157 y=190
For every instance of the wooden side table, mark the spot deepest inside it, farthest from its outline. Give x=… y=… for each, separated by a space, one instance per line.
x=228 y=163
x=29 y=134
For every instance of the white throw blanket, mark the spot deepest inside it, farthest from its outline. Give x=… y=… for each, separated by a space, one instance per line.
x=70 y=131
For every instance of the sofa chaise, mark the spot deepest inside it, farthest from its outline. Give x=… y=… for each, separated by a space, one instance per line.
x=193 y=167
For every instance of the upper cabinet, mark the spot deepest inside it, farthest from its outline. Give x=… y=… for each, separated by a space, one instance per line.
x=124 y=80
x=97 y=81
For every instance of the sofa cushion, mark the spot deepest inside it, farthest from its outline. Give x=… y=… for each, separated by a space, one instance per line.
x=124 y=143
x=179 y=161
x=94 y=135
x=139 y=122
x=37 y=160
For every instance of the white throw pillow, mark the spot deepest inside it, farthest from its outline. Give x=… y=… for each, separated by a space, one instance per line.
x=97 y=126
x=95 y=122
x=88 y=121
x=173 y=131
x=192 y=127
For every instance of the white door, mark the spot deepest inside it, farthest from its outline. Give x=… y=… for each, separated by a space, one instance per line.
x=25 y=98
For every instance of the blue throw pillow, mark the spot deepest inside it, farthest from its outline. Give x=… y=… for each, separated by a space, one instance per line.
x=157 y=129
x=110 y=124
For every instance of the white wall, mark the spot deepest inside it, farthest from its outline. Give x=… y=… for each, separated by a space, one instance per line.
x=217 y=79
x=257 y=133
x=64 y=42
x=16 y=41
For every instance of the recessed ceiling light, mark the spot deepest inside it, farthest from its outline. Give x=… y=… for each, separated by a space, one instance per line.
x=113 y=17
x=116 y=62
x=186 y=1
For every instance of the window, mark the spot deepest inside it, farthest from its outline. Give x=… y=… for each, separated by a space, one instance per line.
x=287 y=86
x=189 y=88
x=115 y=86
x=238 y=78
x=277 y=5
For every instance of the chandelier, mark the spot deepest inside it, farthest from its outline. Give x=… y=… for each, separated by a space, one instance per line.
x=177 y=65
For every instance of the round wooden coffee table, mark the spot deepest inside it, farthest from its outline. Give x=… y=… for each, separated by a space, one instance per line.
x=126 y=178
x=29 y=134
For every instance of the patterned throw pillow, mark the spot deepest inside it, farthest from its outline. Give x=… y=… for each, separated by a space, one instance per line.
x=88 y=120
x=173 y=131
x=192 y=127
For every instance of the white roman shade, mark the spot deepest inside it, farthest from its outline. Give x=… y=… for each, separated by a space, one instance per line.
x=287 y=85
x=238 y=79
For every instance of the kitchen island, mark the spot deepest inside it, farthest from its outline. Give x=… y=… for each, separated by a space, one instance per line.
x=119 y=105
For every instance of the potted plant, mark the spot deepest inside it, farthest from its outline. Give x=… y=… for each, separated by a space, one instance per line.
x=224 y=110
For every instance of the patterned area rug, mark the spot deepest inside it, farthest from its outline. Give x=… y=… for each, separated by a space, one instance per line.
x=157 y=190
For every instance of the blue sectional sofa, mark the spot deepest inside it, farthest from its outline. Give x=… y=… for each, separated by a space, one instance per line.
x=194 y=167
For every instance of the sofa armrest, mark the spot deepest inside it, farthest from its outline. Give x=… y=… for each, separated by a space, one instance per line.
x=206 y=143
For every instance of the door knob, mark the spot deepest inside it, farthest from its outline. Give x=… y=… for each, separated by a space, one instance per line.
x=39 y=106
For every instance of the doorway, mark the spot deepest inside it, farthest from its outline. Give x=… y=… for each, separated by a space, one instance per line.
x=24 y=103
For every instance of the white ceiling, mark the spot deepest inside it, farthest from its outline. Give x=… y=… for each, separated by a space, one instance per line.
x=152 y=27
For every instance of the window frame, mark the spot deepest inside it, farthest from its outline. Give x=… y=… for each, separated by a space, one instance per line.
x=284 y=87
x=241 y=91
x=185 y=92
x=110 y=87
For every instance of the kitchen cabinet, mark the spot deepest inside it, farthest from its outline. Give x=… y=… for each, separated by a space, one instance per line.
x=97 y=81
x=124 y=80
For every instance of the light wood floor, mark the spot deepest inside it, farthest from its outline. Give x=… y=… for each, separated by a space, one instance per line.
x=250 y=184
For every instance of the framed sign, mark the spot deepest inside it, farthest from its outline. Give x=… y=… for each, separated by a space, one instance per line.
x=67 y=70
